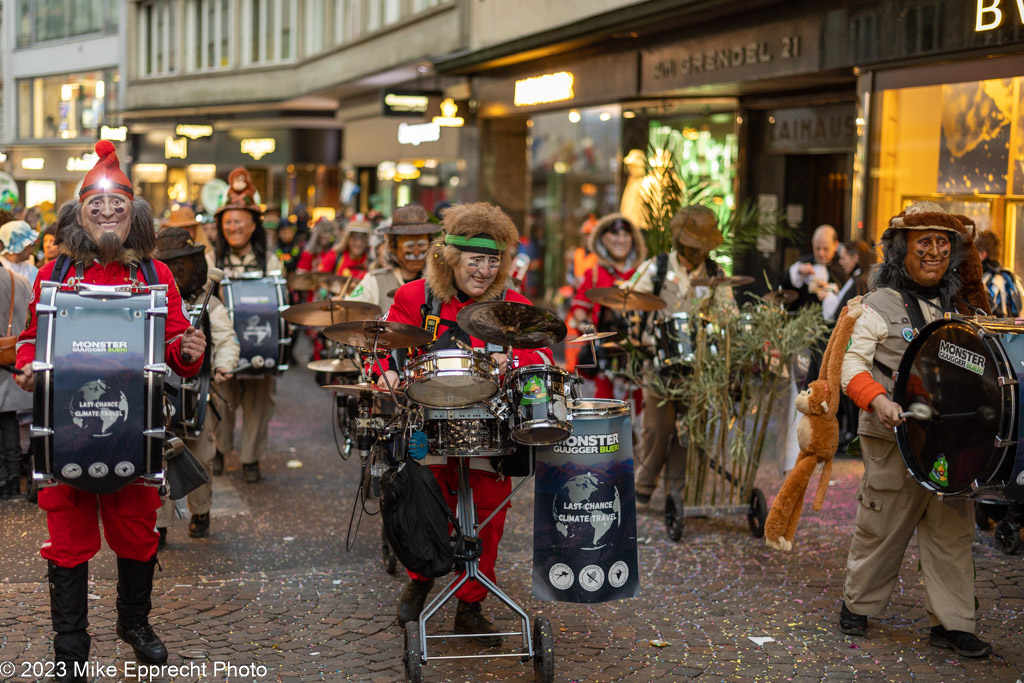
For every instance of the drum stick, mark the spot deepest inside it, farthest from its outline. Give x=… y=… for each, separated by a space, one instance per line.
x=11 y=369
x=344 y=287
x=215 y=275
x=255 y=364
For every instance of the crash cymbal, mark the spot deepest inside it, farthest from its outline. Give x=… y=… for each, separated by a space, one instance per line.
x=306 y=282
x=388 y=335
x=592 y=335
x=346 y=365
x=624 y=299
x=510 y=323
x=357 y=390
x=391 y=294
x=781 y=297
x=324 y=313
x=720 y=280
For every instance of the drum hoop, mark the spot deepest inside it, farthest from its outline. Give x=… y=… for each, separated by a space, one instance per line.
x=411 y=390
x=984 y=333
x=605 y=407
x=538 y=368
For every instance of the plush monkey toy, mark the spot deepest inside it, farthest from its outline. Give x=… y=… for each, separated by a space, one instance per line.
x=817 y=435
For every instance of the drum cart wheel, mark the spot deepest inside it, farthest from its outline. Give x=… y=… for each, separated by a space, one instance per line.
x=674 y=516
x=758 y=513
x=387 y=554
x=543 y=651
x=1007 y=535
x=413 y=653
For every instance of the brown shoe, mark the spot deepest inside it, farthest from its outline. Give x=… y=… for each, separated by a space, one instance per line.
x=470 y=619
x=413 y=598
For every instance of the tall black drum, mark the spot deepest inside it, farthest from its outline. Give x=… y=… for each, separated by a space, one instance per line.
x=966 y=440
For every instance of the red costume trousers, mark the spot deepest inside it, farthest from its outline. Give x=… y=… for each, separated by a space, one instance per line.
x=488 y=492
x=129 y=523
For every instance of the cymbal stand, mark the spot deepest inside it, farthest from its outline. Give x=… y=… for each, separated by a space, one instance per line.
x=577 y=380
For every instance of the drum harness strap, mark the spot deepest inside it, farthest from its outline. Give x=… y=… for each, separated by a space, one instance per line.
x=912 y=302
x=430 y=312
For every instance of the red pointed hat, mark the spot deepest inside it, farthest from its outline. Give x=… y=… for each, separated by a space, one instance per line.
x=106 y=175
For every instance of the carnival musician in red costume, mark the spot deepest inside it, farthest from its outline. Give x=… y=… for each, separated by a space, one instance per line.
x=468 y=263
x=110 y=243
x=619 y=247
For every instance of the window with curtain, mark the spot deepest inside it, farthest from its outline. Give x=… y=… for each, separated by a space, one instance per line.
x=65 y=107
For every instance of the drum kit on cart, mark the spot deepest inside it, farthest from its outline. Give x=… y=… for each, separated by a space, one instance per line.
x=465 y=408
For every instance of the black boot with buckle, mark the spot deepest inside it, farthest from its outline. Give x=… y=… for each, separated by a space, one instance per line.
x=134 y=600
x=469 y=618
x=413 y=598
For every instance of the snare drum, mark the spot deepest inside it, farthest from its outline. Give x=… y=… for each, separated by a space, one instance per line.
x=451 y=378
x=255 y=304
x=538 y=396
x=473 y=432
x=968 y=372
x=97 y=422
x=673 y=339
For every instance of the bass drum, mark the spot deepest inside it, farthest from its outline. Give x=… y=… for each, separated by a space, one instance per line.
x=966 y=373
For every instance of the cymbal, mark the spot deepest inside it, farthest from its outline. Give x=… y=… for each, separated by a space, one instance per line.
x=391 y=294
x=305 y=282
x=510 y=323
x=624 y=299
x=388 y=335
x=346 y=365
x=781 y=297
x=592 y=335
x=357 y=390
x=324 y=313
x=719 y=280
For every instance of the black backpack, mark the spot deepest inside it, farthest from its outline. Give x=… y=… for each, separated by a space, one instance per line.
x=416 y=518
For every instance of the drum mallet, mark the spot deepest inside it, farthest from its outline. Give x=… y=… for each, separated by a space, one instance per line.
x=215 y=275
x=256 y=363
x=11 y=369
x=919 y=411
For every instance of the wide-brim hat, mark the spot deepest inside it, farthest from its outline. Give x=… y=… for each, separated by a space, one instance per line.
x=635 y=156
x=242 y=205
x=697 y=227
x=411 y=219
x=927 y=215
x=182 y=217
x=17 y=236
x=172 y=243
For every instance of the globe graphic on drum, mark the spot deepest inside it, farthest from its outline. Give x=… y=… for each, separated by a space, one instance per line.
x=96 y=408
x=586 y=510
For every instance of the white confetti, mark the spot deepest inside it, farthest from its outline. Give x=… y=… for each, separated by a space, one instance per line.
x=294 y=464
x=761 y=640
x=289 y=539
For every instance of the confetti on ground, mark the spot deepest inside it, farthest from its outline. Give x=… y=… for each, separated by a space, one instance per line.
x=294 y=464
x=659 y=643
x=761 y=640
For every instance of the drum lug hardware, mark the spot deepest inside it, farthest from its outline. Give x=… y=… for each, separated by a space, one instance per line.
x=1000 y=442
x=160 y=368
x=35 y=431
x=1007 y=382
x=155 y=433
x=43 y=480
x=41 y=366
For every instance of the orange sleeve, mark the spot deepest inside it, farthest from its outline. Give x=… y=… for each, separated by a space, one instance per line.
x=862 y=389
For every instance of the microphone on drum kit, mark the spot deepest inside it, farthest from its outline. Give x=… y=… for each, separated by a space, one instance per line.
x=215 y=275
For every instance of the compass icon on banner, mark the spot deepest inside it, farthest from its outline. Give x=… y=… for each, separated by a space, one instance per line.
x=591 y=577
x=561 y=576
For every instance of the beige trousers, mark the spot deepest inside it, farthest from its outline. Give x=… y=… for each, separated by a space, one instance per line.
x=659 y=447
x=255 y=397
x=200 y=500
x=891 y=507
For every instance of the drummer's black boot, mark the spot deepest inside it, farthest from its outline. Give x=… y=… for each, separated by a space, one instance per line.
x=134 y=593
x=413 y=598
x=469 y=618
x=69 y=611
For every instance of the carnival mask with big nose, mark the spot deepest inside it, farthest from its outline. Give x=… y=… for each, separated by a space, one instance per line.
x=927 y=256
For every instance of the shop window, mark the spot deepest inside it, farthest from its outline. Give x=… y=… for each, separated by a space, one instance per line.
x=67 y=107
x=958 y=144
x=157 y=39
x=208 y=34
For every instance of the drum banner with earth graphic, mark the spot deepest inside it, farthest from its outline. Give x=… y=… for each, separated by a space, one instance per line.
x=584 y=538
x=99 y=401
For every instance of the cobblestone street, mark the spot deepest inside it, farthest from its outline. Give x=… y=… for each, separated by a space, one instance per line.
x=273 y=587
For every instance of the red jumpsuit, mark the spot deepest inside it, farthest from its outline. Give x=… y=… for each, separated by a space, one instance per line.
x=488 y=488
x=600 y=276
x=345 y=266
x=129 y=515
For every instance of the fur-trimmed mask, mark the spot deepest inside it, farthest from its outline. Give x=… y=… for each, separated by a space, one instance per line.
x=76 y=243
x=461 y=224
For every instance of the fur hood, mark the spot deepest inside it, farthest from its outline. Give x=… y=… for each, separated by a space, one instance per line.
x=468 y=220
x=141 y=243
x=637 y=256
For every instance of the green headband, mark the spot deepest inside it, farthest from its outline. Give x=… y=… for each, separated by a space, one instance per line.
x=477 y=245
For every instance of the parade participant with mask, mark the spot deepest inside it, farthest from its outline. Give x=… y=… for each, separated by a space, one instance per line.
x=408 y=239
x=468 y=263
x=185 y=258
x=242 y=248
x=111 y=244
x=926 y=271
